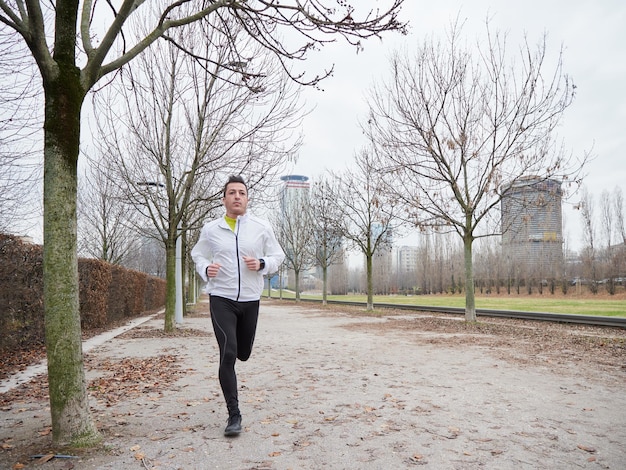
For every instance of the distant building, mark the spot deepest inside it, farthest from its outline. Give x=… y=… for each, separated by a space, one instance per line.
x=532 y=227
x=295 y=187
x=405 y=266
x=406 y=260
x=293 y=194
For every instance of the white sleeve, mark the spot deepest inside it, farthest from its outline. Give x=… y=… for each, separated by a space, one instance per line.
x=273 y=254
x=201 y=254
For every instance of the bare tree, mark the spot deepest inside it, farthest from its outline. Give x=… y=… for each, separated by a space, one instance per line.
x=327 y=241
x=188 y=123
x=368 y=214
x=618 y=212
x=20 y=122
x=459 y=125
x=607 y=228
x=620 y=256
x=587 y=212
x=72 y=54
x=606 y=217
x=294 y=231
x=104 y=221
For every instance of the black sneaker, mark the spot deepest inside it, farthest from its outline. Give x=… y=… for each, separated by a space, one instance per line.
x=233 y=428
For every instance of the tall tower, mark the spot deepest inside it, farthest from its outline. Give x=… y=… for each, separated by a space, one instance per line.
x=532 y=227
x=296 y=187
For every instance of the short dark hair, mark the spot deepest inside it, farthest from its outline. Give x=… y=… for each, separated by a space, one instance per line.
x=235 y=179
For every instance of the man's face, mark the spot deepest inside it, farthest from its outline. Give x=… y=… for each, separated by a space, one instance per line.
x=236 y=200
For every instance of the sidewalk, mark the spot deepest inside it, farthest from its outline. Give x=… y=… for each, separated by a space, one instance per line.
x=325 y=390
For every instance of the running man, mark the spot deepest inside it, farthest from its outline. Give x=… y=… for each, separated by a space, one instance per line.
x=232 y=255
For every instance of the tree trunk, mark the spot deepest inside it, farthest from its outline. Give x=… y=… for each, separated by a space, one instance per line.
x=470 y=301
x=72 y=423
x=297 y=286
x=325 y=286
x=370 y=283
x=170 y=283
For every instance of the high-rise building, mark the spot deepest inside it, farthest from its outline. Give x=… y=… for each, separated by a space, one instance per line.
x=294 y=197
x=295 y=187
x=532 y=226
x=406 y=260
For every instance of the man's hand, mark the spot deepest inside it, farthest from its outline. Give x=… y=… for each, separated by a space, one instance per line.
x=253 y=264
x=212 y=269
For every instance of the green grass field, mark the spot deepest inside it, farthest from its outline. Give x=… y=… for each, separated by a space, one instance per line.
x=602 y=305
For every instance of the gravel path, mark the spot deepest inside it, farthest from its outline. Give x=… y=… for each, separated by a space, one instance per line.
x=328 y=389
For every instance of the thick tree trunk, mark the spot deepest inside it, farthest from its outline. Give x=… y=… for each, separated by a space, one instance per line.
x=470 y=301
x=72 y=423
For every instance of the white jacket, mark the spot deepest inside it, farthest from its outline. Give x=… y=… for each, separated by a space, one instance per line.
x=219 y=244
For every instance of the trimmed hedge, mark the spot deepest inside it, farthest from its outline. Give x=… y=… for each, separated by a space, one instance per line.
x=108 y=294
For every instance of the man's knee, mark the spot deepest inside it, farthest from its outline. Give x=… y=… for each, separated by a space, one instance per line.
x=244 y=356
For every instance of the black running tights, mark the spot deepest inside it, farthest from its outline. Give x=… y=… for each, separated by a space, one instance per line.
x=234 y=324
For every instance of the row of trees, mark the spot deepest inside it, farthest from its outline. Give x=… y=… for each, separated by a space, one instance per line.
x=449 y=131
x=604 y=234
x=73 y=53
x=439 y=269
x=353 y=211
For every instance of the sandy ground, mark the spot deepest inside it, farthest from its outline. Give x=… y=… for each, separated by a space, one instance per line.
x=330 y=389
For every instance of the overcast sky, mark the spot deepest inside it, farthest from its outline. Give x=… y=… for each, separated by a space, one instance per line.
x=592 y=33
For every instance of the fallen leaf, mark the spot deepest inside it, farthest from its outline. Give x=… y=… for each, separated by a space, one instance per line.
x=18 y=466
x=275 y=454
x=586 y=448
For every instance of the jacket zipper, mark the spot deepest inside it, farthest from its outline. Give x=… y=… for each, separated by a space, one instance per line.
x=238 y=261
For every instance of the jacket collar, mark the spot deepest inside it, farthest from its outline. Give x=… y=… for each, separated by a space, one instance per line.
x=241 y=218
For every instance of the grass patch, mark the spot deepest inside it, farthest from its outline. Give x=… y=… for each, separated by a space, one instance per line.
x=600 y=306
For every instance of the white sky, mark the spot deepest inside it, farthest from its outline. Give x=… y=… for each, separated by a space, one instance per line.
x=593 y=34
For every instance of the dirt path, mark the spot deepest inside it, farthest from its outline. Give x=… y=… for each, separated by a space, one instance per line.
x=338 y=391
